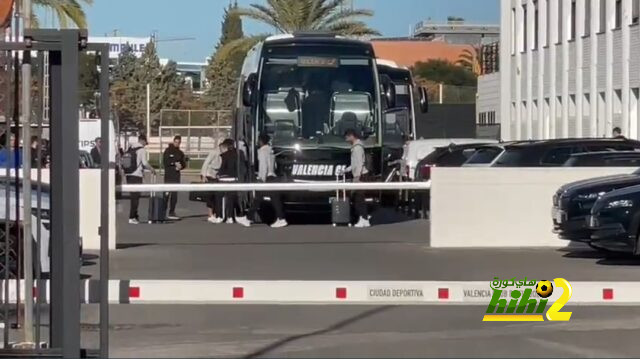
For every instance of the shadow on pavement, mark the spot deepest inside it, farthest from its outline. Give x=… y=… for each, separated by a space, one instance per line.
x=280 y=343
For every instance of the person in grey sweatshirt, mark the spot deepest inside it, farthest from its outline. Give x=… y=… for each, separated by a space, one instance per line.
x=360 y=173
x=266 y=174
x=136 y=176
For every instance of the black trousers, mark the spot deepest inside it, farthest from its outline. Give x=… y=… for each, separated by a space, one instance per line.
x=276 y=201
x=135 y=197
x=171 y=199
x=214 y=199
x=359 y=204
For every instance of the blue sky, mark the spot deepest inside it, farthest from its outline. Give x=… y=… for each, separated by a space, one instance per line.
x=200 y=19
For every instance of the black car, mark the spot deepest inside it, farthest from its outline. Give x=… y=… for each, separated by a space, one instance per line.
x=554 y=153
x=615 y=221
x=604 y=159
x=572 y=203
x=446 y=156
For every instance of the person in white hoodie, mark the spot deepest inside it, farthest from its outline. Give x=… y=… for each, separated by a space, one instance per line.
x=137 y=174
x=209 y=174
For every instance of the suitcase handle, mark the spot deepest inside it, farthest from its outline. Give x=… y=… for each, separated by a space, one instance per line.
x=344 y=191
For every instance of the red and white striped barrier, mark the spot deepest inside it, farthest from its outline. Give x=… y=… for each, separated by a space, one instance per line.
x=327 y=292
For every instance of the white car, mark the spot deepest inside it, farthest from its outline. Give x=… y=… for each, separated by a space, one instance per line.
x=416 y=150
x=15 y=228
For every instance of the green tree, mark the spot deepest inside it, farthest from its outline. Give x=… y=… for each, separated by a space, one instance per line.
x=445 y=72
x=67 y=12
x=224 y=66
x=125 y=90
x=89 y=80
x=289 y=16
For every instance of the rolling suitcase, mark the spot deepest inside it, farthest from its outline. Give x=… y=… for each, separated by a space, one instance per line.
x=157 y=209
x=340 y=207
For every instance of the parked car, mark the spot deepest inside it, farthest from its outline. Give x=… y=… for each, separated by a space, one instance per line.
x=16 y=228
x=572 y=203
x=446 y=156
x=604 y=159
x=453 y=155
x=554 y=153
x=615 y=221
x=486 y=156
x=415 y=151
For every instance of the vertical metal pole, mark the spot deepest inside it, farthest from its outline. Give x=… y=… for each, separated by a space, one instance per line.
x=26 y=189
x=40 y=294
x=7 y=193
x=65 y=184
x=149 y=117
x=104 y=201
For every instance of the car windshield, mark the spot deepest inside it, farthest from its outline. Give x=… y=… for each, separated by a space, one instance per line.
x=313 y=101
x=484 y=155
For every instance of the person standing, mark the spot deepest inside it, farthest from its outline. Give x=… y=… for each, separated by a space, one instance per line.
x=266 y=174
x=209 y=174
x=231 y=170
x=96 y=152
x=174 y=161
x=360 y=173
x=9 y=156
x=137 y=154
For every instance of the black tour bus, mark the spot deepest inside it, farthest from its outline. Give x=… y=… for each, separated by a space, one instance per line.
x=305 y=91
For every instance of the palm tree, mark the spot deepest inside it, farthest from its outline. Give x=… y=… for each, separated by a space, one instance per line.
x=289 y=16
x=67 y=11
x=471 y=59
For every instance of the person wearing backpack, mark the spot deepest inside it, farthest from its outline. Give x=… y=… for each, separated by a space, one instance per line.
x=360 y=172
x=134 y=163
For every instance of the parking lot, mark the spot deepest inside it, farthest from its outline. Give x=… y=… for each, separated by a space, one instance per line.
x=397 y=249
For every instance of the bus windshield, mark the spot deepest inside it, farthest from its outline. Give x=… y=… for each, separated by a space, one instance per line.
x=313 y=101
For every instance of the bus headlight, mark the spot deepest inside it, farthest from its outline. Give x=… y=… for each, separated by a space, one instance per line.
x=621 y=203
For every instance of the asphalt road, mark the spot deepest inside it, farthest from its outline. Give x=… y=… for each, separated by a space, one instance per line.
x=394 y=249
x=360 y=331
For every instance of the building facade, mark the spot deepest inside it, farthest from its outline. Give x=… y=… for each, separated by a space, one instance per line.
x=457 y=32
x=568 y=68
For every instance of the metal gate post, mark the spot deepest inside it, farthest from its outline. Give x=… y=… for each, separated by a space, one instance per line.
x=65 y=185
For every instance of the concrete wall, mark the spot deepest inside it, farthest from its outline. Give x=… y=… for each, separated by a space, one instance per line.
x=499 y=207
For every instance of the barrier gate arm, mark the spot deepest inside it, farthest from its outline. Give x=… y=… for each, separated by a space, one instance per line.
x=284 y=186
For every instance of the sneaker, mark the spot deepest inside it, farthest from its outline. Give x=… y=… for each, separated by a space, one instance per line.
x=229 y=221
x=215 y=220
x=244 y=221
x=133 y=221
x=280 y=223
x=363 y=223
x=173 y=217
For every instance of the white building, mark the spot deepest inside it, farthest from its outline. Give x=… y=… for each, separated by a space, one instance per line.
x=568 y=68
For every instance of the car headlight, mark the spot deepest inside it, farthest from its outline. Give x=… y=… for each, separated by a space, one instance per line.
x=621 y=203
x=589 y=196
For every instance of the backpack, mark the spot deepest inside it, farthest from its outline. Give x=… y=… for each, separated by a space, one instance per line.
x=129 y=160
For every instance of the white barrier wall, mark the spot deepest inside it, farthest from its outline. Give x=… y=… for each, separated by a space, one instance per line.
x=89 y=206
x=499 y=207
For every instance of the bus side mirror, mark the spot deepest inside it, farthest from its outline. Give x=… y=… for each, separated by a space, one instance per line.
x=389 y=89
x=248 y=90
x=424 y=100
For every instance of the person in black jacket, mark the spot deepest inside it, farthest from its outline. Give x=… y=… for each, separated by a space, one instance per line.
x=174 y=161
x=232 y=170
x=96 y=152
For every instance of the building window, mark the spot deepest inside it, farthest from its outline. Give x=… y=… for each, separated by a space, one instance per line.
x=572 y=34
x=603 y=16
x=635 y=12
x=535 y=26
x=587 y=18
x=618 y=23
x=548 y=38
x=560 y=15
x=513 y=31
x=524 y=29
